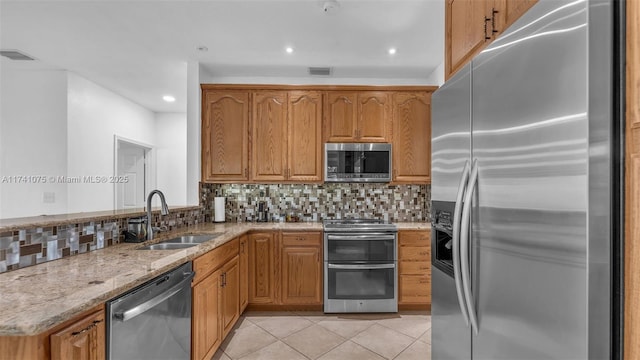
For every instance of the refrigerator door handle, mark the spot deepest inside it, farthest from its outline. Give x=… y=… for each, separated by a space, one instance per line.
x=462 y=187
x=464 y=247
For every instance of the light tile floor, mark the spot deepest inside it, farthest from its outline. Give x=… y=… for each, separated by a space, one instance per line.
x=314 y=335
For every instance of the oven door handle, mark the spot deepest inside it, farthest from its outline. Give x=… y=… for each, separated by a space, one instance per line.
x=354 y=237
x=361 y=266
x=150 y=304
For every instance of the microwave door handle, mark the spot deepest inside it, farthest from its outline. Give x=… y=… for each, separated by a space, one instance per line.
x=457 y=212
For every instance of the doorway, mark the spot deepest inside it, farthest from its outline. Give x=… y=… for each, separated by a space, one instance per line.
x=133 y=173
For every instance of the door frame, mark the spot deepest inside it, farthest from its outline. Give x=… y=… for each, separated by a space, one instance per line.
x=150 y=164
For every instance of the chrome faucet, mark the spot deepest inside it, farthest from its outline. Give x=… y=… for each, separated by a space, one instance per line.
x=164 y=211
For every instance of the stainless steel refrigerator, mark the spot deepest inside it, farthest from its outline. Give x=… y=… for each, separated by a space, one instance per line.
x=522 y=191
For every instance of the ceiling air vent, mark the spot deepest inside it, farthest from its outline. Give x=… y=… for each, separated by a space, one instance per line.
x=15 y=55
x=321 y=71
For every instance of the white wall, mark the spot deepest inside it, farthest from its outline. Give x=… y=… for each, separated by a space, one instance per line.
x=171 y=152
x=308 y=80
x=437 y=76
x=95 y=115
x=33 y=133
x=194 y=79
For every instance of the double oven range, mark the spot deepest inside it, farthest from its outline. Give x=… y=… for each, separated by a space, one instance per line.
x=360 y=266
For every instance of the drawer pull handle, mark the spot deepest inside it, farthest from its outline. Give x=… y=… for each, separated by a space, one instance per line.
x=91 y=326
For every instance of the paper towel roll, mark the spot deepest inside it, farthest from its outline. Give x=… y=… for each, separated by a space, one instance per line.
x=218 y=209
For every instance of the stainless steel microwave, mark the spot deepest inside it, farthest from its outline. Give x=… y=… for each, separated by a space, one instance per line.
x=357 y=162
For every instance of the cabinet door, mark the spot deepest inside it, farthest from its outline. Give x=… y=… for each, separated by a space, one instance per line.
x=82 y=340
x=412 y=137
x=244 y=273
x=262 y=268
x=374 y=117
x=225 y=134
x=340 y=116
x=464 y=32
x=301 y=275
x=510 y=11
x=269 y=136
x=305 y=136
x=231 y=292
x=206 y=324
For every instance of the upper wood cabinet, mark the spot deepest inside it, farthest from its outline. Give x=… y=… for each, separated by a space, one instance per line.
x=82 y=340
x=412 y=137
x=304 y=148
x=287 y=142
x=269 y=136
x=225 y=135
x=470 y=25
x=362 y=116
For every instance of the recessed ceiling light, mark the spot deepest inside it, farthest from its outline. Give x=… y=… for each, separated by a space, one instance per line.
x=168 y=98
x=202 y=48
x=289 y=50
x=392 y=51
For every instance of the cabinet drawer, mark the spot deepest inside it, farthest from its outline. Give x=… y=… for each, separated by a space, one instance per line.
x=215 y=258
x=415 y=289
x=414 y=253
x=414 y=267
x=414 y=238
x=301 y=239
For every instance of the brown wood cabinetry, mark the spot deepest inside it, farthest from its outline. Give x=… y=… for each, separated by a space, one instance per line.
x=82 y=337
x=82 y=340
x=287 y=129
x=304 y=159
x=244 y=272
x=225 y=135
x=357 y=116
x=632 y=186
x=414 y=262
x=230 y=295
x=301 y=268
x=206 y=330
x=216 y=303
x=269 y=136
x=470 y=25
x=262 y=268
x=412 y=137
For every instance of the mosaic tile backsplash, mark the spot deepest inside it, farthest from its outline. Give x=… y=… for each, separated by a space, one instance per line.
x=31 y=246
x=316 y=202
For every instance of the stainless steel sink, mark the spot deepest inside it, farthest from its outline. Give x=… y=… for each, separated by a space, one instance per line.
x=181 y=242
x=167 y=246
x=192 y=239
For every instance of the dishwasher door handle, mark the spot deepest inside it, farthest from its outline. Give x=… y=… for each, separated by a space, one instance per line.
x=151 y=303
x=354 y=237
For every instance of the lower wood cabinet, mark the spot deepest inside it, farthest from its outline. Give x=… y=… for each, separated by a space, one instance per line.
x=262 y=270
x=230 y=295
x=206 y=332
x=82 y=340
x=244 y=272
x=301 y=268
x=414 y=262
x=216 y=303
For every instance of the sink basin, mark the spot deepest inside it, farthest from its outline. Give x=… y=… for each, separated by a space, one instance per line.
x=192 y=239
x=168 y=246
x=181 y=242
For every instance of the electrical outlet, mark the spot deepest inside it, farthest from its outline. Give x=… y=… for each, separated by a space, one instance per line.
x=48 y=197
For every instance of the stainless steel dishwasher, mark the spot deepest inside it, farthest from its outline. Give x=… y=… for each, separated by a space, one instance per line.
x=152 y=321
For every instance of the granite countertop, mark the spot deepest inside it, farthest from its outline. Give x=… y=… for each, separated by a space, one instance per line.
x=39 y=297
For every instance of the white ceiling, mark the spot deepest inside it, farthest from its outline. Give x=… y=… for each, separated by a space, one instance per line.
x=140 y=48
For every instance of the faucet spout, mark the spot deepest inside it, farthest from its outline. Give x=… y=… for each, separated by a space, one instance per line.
x=164 y=210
